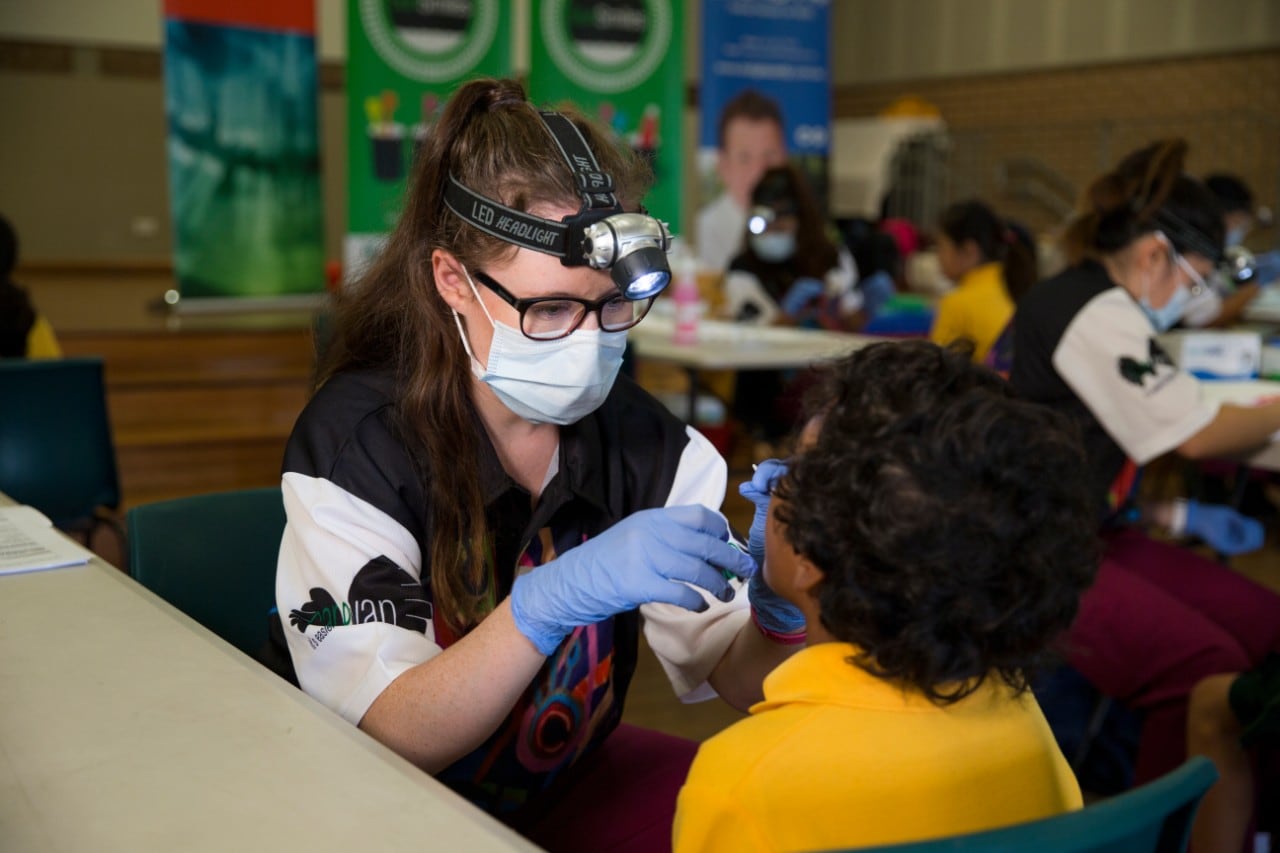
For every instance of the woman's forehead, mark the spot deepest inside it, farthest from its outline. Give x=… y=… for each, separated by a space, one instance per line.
x=529 y=274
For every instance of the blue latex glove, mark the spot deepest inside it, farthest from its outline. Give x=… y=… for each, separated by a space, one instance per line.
x=802 y=292
x=640 y=559
x=1227 y=531
x=1267 y=267
x=772 y=611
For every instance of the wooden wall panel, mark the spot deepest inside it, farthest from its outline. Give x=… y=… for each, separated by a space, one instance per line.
x=196 y=411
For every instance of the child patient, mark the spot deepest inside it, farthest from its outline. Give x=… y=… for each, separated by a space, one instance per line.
x=936 y=535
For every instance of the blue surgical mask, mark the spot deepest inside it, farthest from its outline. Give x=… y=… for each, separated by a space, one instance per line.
x=1235 y=236
x=548 y=382
x=774 y=246
x=1164 y=317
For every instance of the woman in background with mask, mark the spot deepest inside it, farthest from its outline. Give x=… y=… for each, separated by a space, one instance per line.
x=480 y=512
x=1223 y=303
x=791 y=272
x=1159 y=618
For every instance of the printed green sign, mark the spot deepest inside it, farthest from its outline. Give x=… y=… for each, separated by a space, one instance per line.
x=621 y=61
x=404 y=59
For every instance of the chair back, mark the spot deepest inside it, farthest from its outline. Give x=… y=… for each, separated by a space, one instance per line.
x=213 y=557
x=56 y=451
x=1155 y=818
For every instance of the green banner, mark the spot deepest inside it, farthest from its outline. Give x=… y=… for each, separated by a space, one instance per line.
x=623 y=62
x=404 y=59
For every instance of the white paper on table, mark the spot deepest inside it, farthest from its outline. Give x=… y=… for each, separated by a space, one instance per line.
x=1242 y=393
x=28 y=543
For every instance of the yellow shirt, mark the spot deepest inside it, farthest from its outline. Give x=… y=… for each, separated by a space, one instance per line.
x=41 y=342
x=835 y=757
x=977 y=309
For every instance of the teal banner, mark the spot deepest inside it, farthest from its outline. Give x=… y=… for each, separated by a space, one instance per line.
x=621 y=61
x=244 y=163
x=404 y=59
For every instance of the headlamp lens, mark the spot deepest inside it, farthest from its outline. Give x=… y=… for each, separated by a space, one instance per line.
x=632 y=247
x=760 y=219
x=1238 y=265
x=642 y=273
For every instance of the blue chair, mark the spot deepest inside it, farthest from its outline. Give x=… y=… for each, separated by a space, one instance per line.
x=214 y=558
x=56 y=450
x=1155 y=818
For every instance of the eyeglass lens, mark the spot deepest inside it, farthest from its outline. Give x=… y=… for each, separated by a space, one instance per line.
x=547 y=319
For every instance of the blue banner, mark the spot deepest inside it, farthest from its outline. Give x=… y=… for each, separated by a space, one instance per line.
x=780 y=50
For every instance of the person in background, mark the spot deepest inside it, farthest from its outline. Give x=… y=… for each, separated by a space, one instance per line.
x=991 y=269
x=932 y=584
x=1000 y=357
x=790 y=272
x=1231 y=717
x=24 y=331
x=751 y=138
x=879 y=266
x=481 y=513
x=1223 y=303
x=1159 y=618
x=1237 y=203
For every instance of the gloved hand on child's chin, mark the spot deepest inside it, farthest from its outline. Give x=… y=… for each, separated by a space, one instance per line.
x=649 y=556
x=772 y=612
x=800 y=294
x=1225 y=530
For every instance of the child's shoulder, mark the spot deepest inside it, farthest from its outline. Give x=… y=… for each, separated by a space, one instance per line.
x=746 y=750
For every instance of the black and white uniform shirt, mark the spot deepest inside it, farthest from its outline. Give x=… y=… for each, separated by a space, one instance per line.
x=354 y=597
x=1084 y=346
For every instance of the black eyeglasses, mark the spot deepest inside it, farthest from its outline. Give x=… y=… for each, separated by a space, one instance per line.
x=546 y=318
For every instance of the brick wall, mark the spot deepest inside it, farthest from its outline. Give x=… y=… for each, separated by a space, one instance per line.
x=1075 y=122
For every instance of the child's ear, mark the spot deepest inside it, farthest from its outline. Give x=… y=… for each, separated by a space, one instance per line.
x=806 y=575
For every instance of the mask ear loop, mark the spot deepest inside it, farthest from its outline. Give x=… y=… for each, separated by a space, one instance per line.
x=466 y=344
x=476 y=294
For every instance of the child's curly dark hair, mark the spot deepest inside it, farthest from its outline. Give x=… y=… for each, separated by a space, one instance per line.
x=952 y=522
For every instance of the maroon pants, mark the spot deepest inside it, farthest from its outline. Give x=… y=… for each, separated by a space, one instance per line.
x=1157 y=620
x=622 y=798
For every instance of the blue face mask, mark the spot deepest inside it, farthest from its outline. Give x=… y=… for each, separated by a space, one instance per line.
x=775 y=247
x=1164 y=317
x=547 y=382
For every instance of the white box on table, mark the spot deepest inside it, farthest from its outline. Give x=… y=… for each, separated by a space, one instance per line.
x=1216 y=354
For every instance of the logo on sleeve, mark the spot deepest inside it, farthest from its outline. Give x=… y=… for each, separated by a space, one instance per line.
x=380 y=592
x=1136 y=371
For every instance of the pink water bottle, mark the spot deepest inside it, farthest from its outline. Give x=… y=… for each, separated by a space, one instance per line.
x=686 y=297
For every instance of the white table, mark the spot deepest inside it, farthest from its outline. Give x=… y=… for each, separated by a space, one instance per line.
x=1248 y=393
x=1265 y=308
x=126 y=726
x=738 y=346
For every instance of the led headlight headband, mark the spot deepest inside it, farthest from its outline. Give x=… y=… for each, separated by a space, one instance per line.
x=632 y=246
